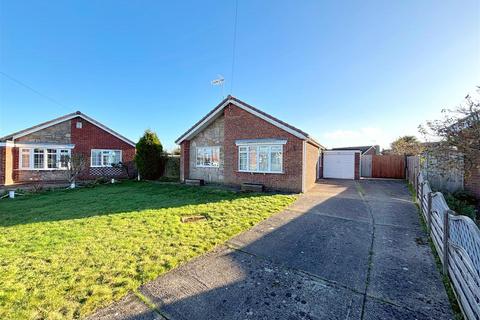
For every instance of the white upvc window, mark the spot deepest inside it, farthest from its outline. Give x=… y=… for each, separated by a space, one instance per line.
x=105 y=157
x=43 y=158
x=260 y=158
x=208 y=157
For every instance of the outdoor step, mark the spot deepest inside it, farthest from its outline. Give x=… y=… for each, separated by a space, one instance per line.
x=255 y=187
x=195 y=182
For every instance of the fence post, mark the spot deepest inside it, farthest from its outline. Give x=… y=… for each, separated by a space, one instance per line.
x=446 y=235
x=429 y=212
x=416 y=185
x=421 y=196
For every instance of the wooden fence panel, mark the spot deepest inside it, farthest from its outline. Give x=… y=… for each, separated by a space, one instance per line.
x=388 y=166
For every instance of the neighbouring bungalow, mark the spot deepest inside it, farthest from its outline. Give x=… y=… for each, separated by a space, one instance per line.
x=364 y=150
x=236 y=143
x=41 y=153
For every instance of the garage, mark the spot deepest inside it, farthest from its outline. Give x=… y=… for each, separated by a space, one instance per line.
x=341 y=164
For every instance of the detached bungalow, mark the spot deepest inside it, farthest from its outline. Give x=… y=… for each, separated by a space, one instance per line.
x=41 y=153
x=236 y=143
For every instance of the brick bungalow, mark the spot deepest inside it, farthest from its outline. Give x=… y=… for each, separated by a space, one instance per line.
x=237 y=143
x=41 y=153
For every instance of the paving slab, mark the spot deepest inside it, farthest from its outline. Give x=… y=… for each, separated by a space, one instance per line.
x=328 y=247
x=128 y=308
x=229 y=284
x=378 y=310
x=403 y=269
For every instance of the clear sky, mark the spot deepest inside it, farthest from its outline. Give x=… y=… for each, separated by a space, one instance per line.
x=347 y=72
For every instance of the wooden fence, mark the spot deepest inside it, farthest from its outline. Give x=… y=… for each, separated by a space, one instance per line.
x=388 y=166
x=457 y=242
x=439 y=178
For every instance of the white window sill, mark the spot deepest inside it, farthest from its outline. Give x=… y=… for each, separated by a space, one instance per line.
x=261 y=172
x=213 y=167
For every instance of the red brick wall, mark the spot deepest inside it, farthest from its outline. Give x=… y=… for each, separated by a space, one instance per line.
x=2 y=166
x=472 y=180
x=240 y=124
x=184 y=160
x=311 y=165
x=92 y=137
x=11 y=166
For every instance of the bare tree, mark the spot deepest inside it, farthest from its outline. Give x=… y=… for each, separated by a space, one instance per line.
x=458 y=133
x=76 y=164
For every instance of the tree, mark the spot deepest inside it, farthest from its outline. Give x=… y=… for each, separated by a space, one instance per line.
x=457 y=132
x=176 y=151
x=76 y=164
x=406 y=146
x=149 y=157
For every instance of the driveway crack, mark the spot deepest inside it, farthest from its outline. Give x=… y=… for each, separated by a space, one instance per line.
x=370 y=252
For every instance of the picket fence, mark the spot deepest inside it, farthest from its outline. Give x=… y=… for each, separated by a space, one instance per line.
x=457 y=241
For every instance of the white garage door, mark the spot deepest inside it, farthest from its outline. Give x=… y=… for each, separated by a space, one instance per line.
x=339 y=164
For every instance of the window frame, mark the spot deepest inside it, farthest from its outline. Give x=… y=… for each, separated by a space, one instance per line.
x=102 y=165
x=31 y=158
x=211 y=155
x=257 y=156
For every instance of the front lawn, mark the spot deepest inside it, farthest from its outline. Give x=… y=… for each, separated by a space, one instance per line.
x=64 y=254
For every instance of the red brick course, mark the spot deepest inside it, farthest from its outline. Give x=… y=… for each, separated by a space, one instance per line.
x=472 y=181
x=2 y=166
x=92 y=137
x=312 y=158
x=184 y=160
x=240 y=124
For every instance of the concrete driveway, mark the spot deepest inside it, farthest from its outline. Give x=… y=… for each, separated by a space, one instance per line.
x=344 y=250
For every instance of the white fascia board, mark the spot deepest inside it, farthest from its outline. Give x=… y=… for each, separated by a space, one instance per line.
x=368 y=150
x=7 y=144
x=45 y=145
x=194 y=130
x=260 y=142
x=96 y=123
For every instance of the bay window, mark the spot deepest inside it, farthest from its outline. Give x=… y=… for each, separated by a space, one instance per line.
x=208 y=157
x=105 y=157
x=261 y=158
x=43 y=158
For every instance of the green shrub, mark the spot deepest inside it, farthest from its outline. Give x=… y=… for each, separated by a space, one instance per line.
x=149 y=157
x=172 y=167
x=462 y=203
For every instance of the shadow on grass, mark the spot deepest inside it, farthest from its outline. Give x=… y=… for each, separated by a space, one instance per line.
x=127 y=196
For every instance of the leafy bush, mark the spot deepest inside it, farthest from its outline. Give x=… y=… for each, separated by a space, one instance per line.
x=463 y=203
x=172 y=167
x=149 y=158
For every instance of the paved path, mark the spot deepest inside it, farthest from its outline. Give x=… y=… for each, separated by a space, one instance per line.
x=344 y=250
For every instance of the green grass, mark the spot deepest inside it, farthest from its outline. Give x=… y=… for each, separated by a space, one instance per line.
x=66 y=253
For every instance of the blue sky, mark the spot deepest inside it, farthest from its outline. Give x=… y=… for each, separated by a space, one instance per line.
x=347 y=72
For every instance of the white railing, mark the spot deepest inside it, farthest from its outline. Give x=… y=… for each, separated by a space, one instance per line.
x=457 y=241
